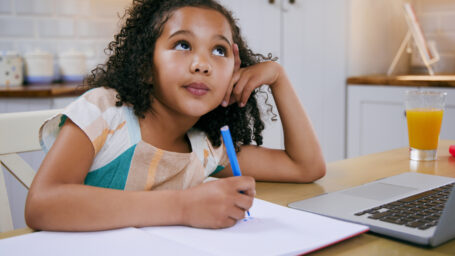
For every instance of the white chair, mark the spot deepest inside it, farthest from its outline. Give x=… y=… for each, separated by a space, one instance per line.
x=18 y=133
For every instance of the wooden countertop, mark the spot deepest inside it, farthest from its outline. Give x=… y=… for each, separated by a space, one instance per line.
x=404 y=80
x=63 y=90
x=42 y=91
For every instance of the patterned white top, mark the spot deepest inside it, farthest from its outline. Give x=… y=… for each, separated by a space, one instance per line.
x=122 y=159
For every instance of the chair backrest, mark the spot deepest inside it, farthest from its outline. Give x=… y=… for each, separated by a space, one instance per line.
x=18 y=133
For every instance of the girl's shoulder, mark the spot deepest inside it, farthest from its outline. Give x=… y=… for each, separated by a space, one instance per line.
x=99 y=105
x=94 y=112
x=101 y=97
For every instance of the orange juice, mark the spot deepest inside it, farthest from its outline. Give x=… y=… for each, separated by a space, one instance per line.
x=424 y=126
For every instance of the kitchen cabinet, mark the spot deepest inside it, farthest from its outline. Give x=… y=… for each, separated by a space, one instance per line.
x=260 y=25
x=27 y=104
x=376 y=118
x=309 y=37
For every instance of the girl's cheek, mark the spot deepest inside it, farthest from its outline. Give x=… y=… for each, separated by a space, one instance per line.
x=223 y=89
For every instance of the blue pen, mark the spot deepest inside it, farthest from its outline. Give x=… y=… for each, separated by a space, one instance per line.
x=231 y=152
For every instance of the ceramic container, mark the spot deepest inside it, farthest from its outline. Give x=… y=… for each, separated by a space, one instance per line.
x=39 y=67
x=11 y=69
x=72 y=66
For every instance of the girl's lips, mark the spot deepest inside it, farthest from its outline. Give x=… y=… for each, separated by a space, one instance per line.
x=197 y=89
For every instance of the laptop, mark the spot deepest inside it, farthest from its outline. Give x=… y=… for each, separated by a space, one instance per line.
x=414 y=207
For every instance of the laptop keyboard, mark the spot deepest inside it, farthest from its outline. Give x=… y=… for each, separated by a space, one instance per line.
x=420 y=211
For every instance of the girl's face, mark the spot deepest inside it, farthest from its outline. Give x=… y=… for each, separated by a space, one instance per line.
x=193 y=61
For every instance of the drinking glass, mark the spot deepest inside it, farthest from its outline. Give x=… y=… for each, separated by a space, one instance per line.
x=424 y=111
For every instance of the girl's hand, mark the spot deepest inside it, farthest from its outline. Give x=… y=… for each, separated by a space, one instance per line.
x=245 y=80
x=218 y=204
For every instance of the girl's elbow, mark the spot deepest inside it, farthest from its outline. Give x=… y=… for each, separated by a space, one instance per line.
x=320 y=170
x=313 y=172
x=33 y=211
x=31 y=221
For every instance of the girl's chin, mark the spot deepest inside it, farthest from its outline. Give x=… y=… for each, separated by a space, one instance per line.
x=198 y=111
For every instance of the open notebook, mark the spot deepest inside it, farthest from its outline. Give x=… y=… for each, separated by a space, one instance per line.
x=270 y=230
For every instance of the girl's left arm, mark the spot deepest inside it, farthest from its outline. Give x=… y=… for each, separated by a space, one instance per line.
x=302 y=159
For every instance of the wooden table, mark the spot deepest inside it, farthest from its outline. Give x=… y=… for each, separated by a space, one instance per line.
x=356 y=171
x=351 y=172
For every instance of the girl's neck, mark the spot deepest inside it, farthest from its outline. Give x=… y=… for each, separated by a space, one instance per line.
x=166 y=129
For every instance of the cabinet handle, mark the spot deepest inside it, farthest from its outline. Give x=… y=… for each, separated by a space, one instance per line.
x=273 y=1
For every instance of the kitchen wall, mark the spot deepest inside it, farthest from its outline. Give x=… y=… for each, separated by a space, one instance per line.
x=59 y=25
x=54 y=26
x=437 y=18
x=377 y=28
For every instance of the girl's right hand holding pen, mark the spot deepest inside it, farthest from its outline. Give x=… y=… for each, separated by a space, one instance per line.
x=217 y=204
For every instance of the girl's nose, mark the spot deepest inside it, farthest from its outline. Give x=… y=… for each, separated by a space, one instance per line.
x=201 y=66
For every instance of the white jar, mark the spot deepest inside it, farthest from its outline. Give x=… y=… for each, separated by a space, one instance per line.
x=72 y=66
x=39 y=67
x=11 y=69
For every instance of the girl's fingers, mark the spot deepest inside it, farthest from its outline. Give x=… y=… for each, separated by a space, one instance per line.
x=244 y=202
x=237 y=213
x=231 y=101
x=249 y=87
x=237 y=61
x=245 y=184
x=235 y=77
x=239 y=86
x=244 y=88
x=226 y=222
x=227 y=97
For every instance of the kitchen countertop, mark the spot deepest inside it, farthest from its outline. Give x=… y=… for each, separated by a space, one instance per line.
x=64 y=90
x=42 y=91
x=404 y=80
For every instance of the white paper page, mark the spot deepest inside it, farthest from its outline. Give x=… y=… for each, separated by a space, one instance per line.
x=271 y=230
x=124 y=242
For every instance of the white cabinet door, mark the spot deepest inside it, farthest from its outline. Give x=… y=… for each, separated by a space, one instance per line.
x=260 y=25
x=314 y=54
x=309 y=37
x=377 y=122
x=259 y=22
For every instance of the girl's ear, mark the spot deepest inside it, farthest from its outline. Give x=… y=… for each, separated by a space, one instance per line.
x=150 y=77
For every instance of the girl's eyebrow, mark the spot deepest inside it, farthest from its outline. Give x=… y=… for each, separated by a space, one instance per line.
x=224 y=39
x=179 y=32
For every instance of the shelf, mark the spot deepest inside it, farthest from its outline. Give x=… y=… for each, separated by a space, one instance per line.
x=405 y=80
x=42 y=91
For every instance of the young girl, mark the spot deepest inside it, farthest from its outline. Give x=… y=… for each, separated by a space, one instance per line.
x=135 y=149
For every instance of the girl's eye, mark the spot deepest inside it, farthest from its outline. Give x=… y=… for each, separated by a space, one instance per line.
x=182 y=46
x=219 y=51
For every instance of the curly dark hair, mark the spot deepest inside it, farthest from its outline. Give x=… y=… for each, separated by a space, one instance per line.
x=128 y=69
